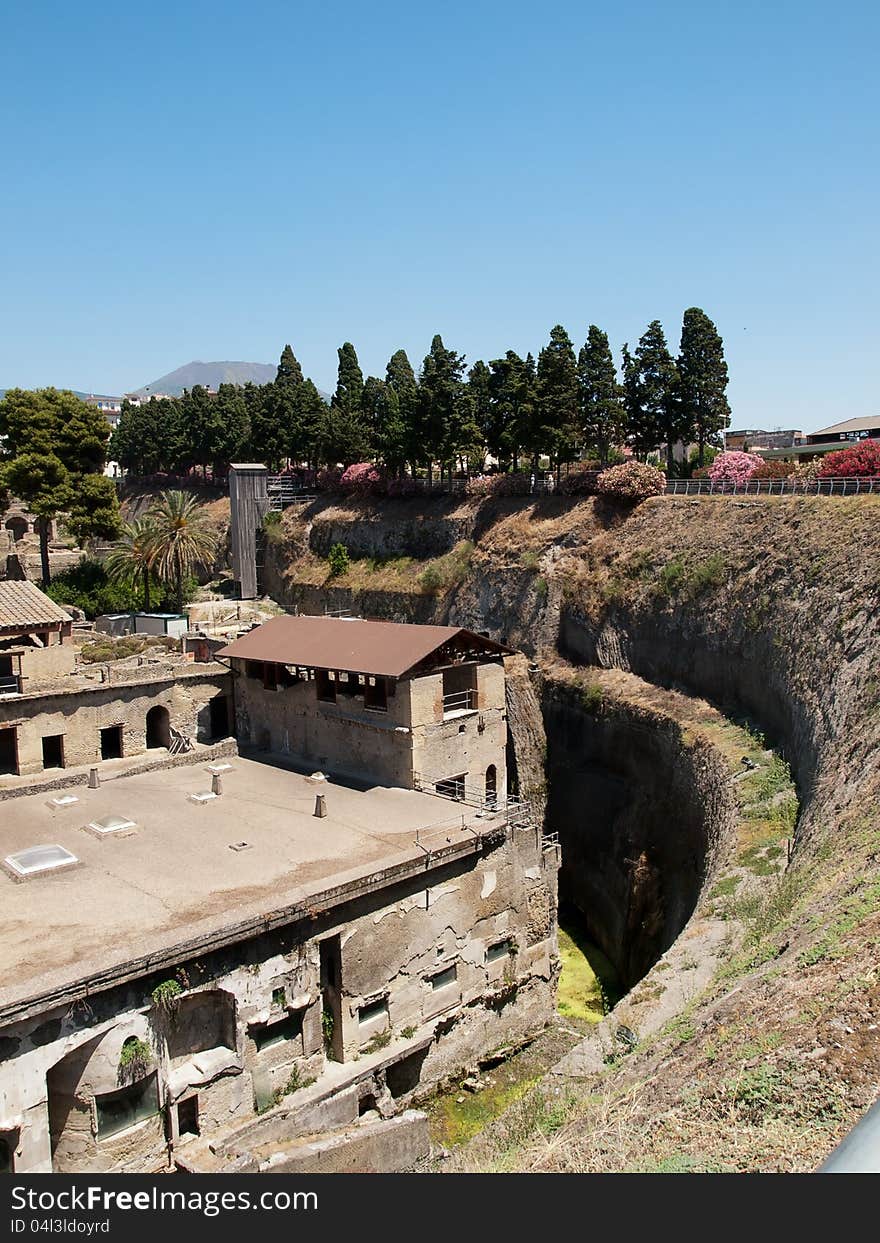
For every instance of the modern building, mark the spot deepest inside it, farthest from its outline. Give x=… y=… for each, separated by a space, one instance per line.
x=207 y=965
x=829 y=439
x=756 y=439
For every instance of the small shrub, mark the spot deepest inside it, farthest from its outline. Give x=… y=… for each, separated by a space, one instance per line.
x=408 y=1032
x=530 y=559
x=338 y=560
x=166 y=997
x=632 y=481
x=541 y=588
x=447 y=571
x=734 y=466
x=381 y=1040
x=134 y=1059
x=582 y=480
x=516 y=483
x=327 y=479
x=773 y=470
x=672 y=577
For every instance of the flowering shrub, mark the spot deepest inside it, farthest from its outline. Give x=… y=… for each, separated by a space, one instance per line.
x=858 y=459
x=633 y=481
x=807 y=470
x=773 y=470
x=700 y=472
x=581 y=480
x=364 y=479
x=734 y=466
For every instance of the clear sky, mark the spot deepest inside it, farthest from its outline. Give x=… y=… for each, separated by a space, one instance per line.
x=208 y=180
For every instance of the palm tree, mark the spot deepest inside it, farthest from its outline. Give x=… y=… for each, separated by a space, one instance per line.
x=132 y=557
x=182 y=538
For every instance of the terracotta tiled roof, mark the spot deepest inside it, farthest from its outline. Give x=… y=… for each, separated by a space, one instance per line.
x=385 y=649
x=23 y=605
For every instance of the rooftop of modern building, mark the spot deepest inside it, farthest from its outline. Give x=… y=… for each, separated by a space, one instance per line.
x=190 y=877
x=23 y=605
x=864 y=423
x=353 y=645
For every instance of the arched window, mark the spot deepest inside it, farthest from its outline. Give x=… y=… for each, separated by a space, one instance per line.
x=158 y=727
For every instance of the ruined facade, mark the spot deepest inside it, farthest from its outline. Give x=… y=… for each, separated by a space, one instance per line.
x=227 y=972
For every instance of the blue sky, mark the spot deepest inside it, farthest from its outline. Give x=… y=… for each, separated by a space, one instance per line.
x=210 y=180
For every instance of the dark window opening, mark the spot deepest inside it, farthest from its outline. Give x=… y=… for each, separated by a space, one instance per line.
x=254 y=669
x=330 y=951
x=53 y=751
x=8 y=750
x=452 y=787
x=264 y=1035
x=111 y=742
x=119 y=1110
x=6 y=1162
x=278 y=997
x=374 y=1010
x=376 y=694
x=5 y=666
x=501 y=949
x=367 y=1104
x=326 y=686
x=444 y=978
x=270 y=677
x=349 y=684
x=459 y=688
x=188 y=1116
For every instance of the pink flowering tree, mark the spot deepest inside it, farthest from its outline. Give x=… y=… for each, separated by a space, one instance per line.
x=734 y=466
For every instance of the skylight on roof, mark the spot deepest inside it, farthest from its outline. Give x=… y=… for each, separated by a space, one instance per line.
x=111 y=824
x=38 y=859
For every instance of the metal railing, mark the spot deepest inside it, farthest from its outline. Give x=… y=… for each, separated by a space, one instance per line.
x=458 y=701
x=10 y=685
x=516 y=811
x=831 y=486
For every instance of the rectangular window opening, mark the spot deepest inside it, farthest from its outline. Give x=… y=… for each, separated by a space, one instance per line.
x=119 y=1110
x=188 y=1116
x=374 y=1011
x=376 y=694
x=264 y=1035
x=326 y=686
x=452 y=787
x=444 y=978
x=501 y=949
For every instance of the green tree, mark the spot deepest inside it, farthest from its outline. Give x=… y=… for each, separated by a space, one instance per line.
x=446 y=418
x=182 y=539
x=651 y=384
x=603 y=414
x=401 y=380
x=130 y=562
x=702 y=373
x=350 y=381
x=147 y=437
x=53 y=452
x=555 y=429
x=312 y=409
x=232 y=415
x=285 y=402
x=512 y=406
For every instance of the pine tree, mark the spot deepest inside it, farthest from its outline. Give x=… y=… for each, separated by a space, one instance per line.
x=392 y=432
x=603 y=415
x=555 y=428
x=312 y=410
x=232 y=414
x=702 y=375
x=52 y=456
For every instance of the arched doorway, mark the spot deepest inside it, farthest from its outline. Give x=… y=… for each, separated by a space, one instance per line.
x=18 y=527
x=491 y=786
x=158 y=727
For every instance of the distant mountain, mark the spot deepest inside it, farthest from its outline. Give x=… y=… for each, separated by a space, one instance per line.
x=209 y=375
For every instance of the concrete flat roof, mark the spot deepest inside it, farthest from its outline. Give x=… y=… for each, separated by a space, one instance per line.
x=174 y=878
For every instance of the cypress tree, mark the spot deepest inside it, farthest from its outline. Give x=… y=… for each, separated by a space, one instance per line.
x=654 y=391
x=401 y=379
x=603 y=415
x=349 y=393
x=555 y=429
x=703 y=377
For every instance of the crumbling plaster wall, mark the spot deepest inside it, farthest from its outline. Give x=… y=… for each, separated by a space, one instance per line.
x=393 y=942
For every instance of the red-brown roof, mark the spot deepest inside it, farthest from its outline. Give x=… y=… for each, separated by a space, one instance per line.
x=384 y=649
x=23 y=606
